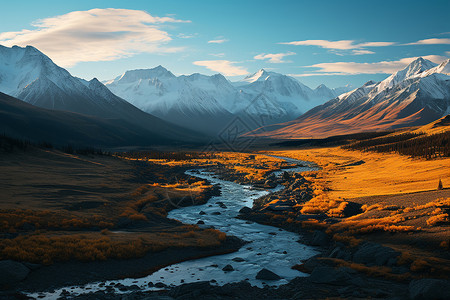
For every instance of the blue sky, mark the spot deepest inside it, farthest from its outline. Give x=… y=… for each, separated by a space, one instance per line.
x=331 y=42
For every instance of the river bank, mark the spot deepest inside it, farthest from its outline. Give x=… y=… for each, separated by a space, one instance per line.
x=365 y=266
x=92 y=215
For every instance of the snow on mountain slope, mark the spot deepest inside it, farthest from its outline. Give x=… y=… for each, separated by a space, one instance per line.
x=416 y=95
x=190 y=101
x=29 y=75
x=187 y=99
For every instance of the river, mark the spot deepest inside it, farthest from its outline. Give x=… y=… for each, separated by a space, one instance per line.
x=268 y=247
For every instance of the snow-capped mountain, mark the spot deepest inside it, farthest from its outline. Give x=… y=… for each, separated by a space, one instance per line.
x=210 y=103
x=191 y=101
x=29 y=75
x=415 y=95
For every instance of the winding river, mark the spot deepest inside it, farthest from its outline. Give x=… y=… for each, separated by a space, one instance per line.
x=274 y=249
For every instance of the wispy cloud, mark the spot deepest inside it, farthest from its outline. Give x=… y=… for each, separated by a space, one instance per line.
x=217 y=41
x=353 y=68
x=217 y=54
x=338 y=45
x=225 y=67
x=275 y=58
x=95 y=35
x=434 y=41
x=186 y=36
x=362 y=52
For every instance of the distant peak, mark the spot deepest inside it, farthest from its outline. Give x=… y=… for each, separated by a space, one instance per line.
x=370 y=82
x=95 y=81
x=159 y=67
x=321 y=86
x=138 y=74
x=261 y=75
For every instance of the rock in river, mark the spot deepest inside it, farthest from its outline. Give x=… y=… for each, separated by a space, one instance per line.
x=228 y=268
x=265 y=274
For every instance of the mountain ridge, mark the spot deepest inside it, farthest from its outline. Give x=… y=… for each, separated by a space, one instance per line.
x=31 y=76
x=413 y=96
x=270 y=96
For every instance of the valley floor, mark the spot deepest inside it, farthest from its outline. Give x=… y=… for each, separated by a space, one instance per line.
x=78 y=218
x=390 y=199
x=114 y=208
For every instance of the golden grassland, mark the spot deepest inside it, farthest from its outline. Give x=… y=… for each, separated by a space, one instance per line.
x=75 y=204
x=252 y=167
x=347 y=174
x=57 y=206
x=48 y=247
x=398 y=199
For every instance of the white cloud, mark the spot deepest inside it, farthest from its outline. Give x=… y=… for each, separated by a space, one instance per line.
x=431 y=42
x=353 y=68
x=95 y=35
x=186 y=36
x=222 y=66
x=447 y=53
x=217 y=41
x=339 y=45
x=217 y=54
x=273 y=57
x=362 y=52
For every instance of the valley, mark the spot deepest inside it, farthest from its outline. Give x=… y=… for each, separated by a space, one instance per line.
x=345 y=205
x=213 y=162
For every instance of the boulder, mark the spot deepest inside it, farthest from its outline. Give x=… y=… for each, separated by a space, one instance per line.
x=221 y=204
x=310 y=264
x=228 y=268
x=186 y=289
x=375 y=254
x=320 y=238
x=330 y=275
x=12 y=272
x=245 y=210
x=270 y=184
x=160 y=285
x=265 y=274
x=341 y=253
x=238 y=259
x=429 y=289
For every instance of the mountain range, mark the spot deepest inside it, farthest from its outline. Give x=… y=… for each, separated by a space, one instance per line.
x=153 y=106
x=209 y=103
x=415 y=95
x=29 y=75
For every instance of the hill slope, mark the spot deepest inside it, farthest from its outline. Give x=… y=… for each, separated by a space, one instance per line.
x=29 y=75
x=416 y=95
x=25 y=121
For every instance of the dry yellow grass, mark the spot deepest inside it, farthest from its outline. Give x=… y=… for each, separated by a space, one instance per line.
x=253 y=167
x=380 y=174
x=89 y=246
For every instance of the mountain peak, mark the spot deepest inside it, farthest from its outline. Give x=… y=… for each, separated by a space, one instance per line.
x=369 y=83
x=414 y=68
x=261 y=75
x=138 y=74
x=418 y=66
x=322 y=87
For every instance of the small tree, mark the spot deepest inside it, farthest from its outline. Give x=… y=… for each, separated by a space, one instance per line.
x=440 y=186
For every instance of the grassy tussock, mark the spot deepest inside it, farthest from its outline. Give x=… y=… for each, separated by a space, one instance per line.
x=46 y=248
x=373 y=271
